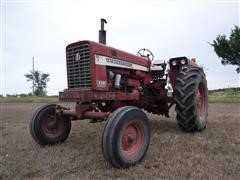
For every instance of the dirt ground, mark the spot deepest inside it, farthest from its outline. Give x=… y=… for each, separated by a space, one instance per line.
x=211 y=154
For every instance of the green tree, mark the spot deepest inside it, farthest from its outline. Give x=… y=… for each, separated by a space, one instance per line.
x=228 y=49
x=39 y=80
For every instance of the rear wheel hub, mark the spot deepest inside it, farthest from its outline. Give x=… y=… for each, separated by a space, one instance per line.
x=201 y=101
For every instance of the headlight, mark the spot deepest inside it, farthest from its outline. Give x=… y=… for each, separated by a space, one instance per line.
x=174 y=63
x=183 y=61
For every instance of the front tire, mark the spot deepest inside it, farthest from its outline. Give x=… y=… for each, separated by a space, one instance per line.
x=45 y=130
x=191 y=97
x=125 y=137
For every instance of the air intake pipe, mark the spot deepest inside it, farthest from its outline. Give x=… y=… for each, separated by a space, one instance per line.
x=102 y=32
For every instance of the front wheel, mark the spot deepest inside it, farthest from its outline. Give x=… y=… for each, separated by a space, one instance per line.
x=48 y=128
x=125 y=137
x=191 y=96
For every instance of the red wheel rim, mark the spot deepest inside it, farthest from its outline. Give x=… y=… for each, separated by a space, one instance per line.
x=51 y=126
x=201 y=101
x=132 y=139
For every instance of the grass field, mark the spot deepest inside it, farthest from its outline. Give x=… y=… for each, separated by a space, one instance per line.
x=211 y=154
x=29 y=99
x=224 y=98
x=215 y=97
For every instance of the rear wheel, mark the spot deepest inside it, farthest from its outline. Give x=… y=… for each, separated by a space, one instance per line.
x=125 y=137
x=191 y=96
x=48 y=128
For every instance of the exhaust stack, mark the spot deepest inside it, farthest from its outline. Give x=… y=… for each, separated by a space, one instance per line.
x=102 y=32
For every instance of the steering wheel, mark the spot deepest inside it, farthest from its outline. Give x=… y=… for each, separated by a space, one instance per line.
x=145 y=53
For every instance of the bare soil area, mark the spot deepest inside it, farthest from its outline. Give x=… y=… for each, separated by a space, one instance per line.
x=211 y=154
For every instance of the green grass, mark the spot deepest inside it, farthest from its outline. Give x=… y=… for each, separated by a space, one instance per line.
x=29 y=99
x=224 y=98
x=214 y=97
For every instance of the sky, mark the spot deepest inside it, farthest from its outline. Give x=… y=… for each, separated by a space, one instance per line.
x=168 y=28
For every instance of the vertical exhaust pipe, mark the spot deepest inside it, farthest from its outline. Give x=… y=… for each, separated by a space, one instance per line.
x=102 y=32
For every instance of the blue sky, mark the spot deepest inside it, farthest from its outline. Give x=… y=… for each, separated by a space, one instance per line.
x=168 y=28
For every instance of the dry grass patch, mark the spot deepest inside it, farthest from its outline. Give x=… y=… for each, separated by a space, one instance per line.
x=211 y=154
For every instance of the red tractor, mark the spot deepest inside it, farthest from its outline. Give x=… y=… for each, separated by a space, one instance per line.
x=111 y=85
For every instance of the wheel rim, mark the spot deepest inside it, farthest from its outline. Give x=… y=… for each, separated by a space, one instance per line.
x=51 y=126
x=132 y=139
x=201 y=101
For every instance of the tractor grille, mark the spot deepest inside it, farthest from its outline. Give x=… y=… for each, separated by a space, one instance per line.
x=78 y=67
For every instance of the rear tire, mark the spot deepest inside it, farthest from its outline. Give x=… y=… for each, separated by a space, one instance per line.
x=43 y=129
x=191 y=97
x=125 y=137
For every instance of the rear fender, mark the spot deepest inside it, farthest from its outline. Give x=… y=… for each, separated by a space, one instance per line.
x=175 y=66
